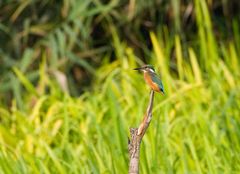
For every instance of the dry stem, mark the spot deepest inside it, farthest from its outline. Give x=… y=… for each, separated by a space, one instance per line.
x=136 y=138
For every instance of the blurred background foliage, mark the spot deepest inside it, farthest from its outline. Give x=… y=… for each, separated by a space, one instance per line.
x=76 y=35
x=68 y=93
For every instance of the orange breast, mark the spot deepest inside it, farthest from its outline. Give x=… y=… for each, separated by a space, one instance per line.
x=149 y=81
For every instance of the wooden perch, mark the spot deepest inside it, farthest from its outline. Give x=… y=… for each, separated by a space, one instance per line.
x=136 y=138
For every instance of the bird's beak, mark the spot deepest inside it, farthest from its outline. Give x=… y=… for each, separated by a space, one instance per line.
x=138 y=68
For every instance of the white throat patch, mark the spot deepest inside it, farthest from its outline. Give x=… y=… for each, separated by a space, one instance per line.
x=151 y=70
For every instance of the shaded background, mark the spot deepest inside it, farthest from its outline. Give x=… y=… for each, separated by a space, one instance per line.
x=76 y=35
x=67 y=81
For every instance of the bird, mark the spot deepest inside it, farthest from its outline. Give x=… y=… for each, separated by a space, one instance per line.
x=151 y=78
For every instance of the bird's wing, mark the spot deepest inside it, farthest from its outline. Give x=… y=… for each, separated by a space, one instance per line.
x=158 y=81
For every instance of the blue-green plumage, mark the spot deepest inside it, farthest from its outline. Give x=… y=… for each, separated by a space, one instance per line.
x=151 y=78
x=157 y=80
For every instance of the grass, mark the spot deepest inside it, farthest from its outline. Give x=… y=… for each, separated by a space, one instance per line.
x=195 y=126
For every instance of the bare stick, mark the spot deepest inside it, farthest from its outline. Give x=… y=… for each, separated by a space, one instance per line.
x=136 y=138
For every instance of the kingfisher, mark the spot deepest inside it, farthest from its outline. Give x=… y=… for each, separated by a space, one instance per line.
x=151 y=78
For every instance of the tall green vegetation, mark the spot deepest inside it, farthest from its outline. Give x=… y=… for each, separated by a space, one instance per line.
x=47 y=58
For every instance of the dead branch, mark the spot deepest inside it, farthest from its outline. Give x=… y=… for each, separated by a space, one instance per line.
x=136 y=138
